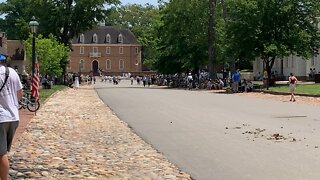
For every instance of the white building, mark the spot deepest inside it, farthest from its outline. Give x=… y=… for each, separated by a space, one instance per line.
x=293 y=64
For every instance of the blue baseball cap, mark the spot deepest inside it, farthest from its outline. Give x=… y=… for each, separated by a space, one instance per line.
x=3 y=57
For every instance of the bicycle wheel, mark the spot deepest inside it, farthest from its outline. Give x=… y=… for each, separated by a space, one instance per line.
x=33 y=106
x=22 y=103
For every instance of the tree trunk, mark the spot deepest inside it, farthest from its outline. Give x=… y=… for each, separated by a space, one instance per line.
x=211 y=38
x=269 y=64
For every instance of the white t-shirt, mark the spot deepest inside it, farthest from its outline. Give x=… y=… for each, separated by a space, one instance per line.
x=8 y=96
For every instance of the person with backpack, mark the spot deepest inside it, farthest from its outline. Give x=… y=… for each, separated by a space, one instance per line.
x=10 y=94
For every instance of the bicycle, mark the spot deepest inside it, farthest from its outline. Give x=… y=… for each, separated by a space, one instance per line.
x=29 y=102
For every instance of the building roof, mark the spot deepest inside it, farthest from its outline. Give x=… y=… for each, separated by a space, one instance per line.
x=102 y=32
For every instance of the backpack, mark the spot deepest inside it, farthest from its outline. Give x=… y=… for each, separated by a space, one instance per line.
x=6 y=78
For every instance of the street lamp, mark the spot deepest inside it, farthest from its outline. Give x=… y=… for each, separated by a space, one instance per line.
x=33 y=26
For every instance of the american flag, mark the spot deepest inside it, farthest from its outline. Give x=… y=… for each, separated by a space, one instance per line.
x=35 y=82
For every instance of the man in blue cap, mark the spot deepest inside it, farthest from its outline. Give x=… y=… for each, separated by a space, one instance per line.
x=10 y=93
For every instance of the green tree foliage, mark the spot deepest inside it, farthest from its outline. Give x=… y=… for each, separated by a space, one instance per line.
x=49 y=53
x=64 y=19
x=183 y=36
x=142 y=21
x=271 y=29
x=17 y=15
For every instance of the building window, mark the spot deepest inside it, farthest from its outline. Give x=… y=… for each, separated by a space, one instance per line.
x=81 y=50
x=108 y=64
x=121 y=64
x=81 y=38
x=137 y=61
x=94 y=49
x=292 y=61
x=120 y=38
x=95 y=38
x=108 y=50
x=313 y=60
x=108 y=38
x=137 y=50
x=120 y=50
x=81 y=65
x=287 y=62
x=69 y=64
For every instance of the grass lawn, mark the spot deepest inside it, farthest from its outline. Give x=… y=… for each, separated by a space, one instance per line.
x=46 y=93
x=313 y=89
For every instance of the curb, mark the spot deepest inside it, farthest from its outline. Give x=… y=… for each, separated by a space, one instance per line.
x=286 y=93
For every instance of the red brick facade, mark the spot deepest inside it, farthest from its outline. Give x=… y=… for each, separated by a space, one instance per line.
x=110 y=57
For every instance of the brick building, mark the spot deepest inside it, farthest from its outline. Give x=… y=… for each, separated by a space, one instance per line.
x=15 y=51
x=105 y=49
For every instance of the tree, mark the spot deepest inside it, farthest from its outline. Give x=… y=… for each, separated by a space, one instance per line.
x=182 y=36
x=211 y=36
x=64 y=19
x=142 y=22
x=49 y=53
x=270 y=29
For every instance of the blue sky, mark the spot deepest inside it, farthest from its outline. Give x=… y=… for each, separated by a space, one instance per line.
x=142 y=2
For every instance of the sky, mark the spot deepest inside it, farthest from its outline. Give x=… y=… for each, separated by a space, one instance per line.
x=142 y=2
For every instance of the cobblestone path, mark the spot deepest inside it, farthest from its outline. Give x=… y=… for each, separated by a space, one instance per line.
x=75 y=136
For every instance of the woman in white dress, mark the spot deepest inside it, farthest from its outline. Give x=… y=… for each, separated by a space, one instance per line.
x=76 y=82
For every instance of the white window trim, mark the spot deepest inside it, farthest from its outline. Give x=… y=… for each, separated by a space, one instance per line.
x=108 y=50
x=313 y=60
x=120 y=38
x=108 y=38
x=108 y=60
x=81 y=50
x=82 y=38
x=121 y=65
x=95 y=38
x=137 y=50
x=81 y=68
x=93 y=49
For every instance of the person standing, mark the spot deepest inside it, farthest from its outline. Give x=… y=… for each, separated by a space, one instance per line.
x=76 y=82
x=131 y=79
x=11 y=92
x=235 y=80
x=292 y=85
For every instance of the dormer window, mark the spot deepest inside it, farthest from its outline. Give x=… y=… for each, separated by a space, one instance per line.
x=81 y=39
x=108 y=38
x=120 y=38
x=95 y=38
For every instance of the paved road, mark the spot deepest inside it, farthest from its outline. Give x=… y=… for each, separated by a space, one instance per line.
x=222 y=136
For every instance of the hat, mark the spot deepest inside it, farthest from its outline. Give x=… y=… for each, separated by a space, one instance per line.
x=3 y=57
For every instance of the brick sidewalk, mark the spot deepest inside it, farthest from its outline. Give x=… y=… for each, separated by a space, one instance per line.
x=25 y=118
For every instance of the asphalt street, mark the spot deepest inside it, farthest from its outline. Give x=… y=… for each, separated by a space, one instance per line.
x=215 y=136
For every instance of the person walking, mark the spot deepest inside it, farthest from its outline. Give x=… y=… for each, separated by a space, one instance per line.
x=10 y=93
x=292 y=85
x=235 y=80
